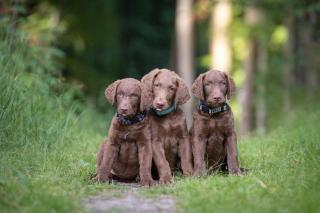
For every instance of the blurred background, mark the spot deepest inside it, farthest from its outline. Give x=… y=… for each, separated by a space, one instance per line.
x=271 y=48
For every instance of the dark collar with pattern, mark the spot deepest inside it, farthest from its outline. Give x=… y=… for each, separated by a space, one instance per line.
x=164 y=112
x=126 y=120
x=213 y=111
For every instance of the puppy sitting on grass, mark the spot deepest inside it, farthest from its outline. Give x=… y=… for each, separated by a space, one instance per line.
x=126 y=154
x=212 y=134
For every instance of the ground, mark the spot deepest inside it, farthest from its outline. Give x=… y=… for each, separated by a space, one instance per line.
x=129 y=201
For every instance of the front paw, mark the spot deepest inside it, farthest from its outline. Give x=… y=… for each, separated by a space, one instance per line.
x=236 y=172
x=199 y=172
x=101 y=178
x=166 y=179
x=147 y=182
x=199 y=169
x=188 y=172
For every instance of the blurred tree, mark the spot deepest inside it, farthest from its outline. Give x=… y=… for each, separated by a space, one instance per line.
x=288 y=68
x=109 y=39
x=220 y=48
x=308 y=66
x=185 y=51
x=247 y=119
x=262 y=69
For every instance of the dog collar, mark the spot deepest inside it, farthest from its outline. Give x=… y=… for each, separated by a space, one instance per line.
x=125 y=120
x=164 y=112
x=213 y=111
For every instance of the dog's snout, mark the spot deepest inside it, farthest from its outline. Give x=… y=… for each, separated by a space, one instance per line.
x=217 y=98
x=123 y=110
x=214 y=99
x=159 y=104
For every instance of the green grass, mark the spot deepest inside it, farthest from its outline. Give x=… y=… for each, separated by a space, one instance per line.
x=284 y=174
x=48 y=143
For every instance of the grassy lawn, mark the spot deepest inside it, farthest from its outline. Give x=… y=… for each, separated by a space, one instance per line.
x=284 y=177
x=48 y=151
x=48 y=145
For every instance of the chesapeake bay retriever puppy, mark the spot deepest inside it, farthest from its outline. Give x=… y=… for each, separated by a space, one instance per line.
x=127 y=152
x=212 y=133
x=170 y=141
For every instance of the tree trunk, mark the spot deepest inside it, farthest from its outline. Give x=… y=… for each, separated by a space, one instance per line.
x=185 y=49
x=288 y=69
x=311 y=55
x=261 y=105
x=220 y=48
x=253 y=17
x=246 y=95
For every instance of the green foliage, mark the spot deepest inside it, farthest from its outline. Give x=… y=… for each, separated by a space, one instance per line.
x=108 y=39
x=45 y=155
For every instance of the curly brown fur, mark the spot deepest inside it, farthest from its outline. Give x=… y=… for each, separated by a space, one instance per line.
x=214 y=137
x=170 y=141
x=127 y=152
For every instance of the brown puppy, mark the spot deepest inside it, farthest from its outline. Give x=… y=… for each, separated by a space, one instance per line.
x=167 y=91
x=212 y=133
x=127 y=152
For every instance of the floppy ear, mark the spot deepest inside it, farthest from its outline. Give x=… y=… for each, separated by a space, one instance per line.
x=145 y=98
x=197 y=87
x=231 y=87
x=182 y=94
x=111 y=91
x=146 y=88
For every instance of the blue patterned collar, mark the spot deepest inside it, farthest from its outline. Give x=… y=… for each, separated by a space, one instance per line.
x=164 y=112
x=212 y=111
x=125 y=120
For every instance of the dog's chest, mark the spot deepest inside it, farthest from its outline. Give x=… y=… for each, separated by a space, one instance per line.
x=128 y=151
x=168 y=132
x=216 y=143
x=216 y=130
x=168 y=129
x=126 y=137
x=128 y=148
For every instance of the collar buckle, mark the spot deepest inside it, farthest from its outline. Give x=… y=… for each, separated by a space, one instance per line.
x=212 y=111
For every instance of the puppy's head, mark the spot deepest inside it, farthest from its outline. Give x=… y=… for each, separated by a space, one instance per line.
x=164 y=89
x=213 y=87
x=126 y=95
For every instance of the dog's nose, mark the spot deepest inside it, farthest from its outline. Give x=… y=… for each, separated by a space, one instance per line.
x=123 y=110
x=214 y=100
x=159 y=105
x=217 y=98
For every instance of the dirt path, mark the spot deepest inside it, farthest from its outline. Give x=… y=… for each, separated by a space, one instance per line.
x=129 y=201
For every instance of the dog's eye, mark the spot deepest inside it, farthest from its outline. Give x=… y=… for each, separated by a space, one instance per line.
x=171 y=88
x=223 y=83
x=134 y=96
x=120 y=94
x=156 y=85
